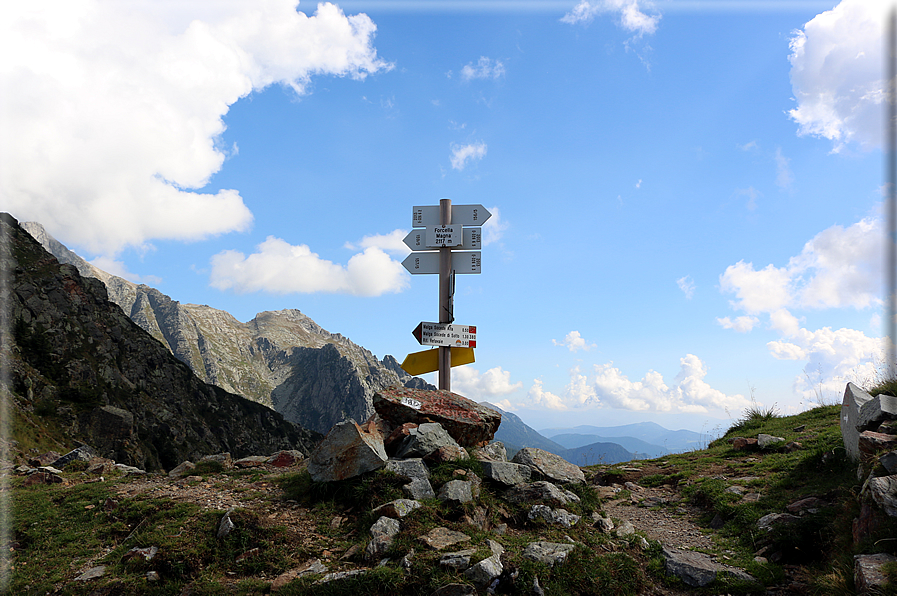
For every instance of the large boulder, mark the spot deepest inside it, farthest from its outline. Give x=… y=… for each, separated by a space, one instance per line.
x=347 y=451
x=424 y=440
x=468 y=422
x=861 y=412
x=549 y=465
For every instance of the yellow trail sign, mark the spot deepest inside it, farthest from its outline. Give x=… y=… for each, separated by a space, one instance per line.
x=420 y=363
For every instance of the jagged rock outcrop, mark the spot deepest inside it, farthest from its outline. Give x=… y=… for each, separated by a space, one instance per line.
x=281 y=359
x=77 y=358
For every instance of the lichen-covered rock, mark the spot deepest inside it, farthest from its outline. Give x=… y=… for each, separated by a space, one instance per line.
x=505 y=472
x=346 y=452
x=468 y=422
x=494 y=451
x=424 y=440
x=549 y=465
x=548 y=553
x=456 y=492
x=541 y=490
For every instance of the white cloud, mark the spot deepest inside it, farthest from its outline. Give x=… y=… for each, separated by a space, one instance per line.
x=631 y=17
x=462 y=154
x=839 y=267
x=574 y=342
x=836 y=73
x=639 y=183
x=485 y=68
x=113 y=111
x=784 y=322
x=392 y=243
x=495 y=227
x=739 y=324
x=119 y=269
x=468 y=381
x=281 y=268
x=751 y=193
x=784 y=177
x=537 y=396
x=687 y=285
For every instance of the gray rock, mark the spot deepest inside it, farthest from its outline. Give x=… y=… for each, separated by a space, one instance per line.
x=507 y=473
x=549 y=465
x=347 y=451
x=129 y=470
x=283 y=579
x=771 y=520
x=397 y=508
x=440 y=538
x=555 y=517
x=419 y=488
x=889 y=461
x=92 y=573
x=697 y=569
x=854 y=399
x=494 y=452
x=496 y=548
x=224 y=459
x=383 y=533
x=875 y=411
x=624 y=529
x=253 y=461
x=225 y=526
x=424 y=440
x=340 y=575
x=456 y=491
x=485 y=571
x=549 y=553
x=410 y=468
x=884 y=493
x=604 y=524
x=541 y=490
x=459 y=560
x=867 y=573
x=185 y=468
x=82 y=453
x=765 y=441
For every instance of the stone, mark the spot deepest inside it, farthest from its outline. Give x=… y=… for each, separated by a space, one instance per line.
x=771 y=520
x=398 y=435
x=494 y=451
x=424 y=440
x=889 y=462
x=793 y=446
x=541 y=490
x=549 y=553
x=419 y=488
x=42 y=478
x=340 y=575
x=82 y=453
x=397 y=508
x=456 y=492
x=854 y=399
x=468 y=423
x=624 y=529
x=505 y=472
x=888 y=427
x=455 y=590
x=224 y=459
x=45 y=459
x=549 y=465
x=92 y=573
x=383 y=533
x=697 y=569
x=152 y=576
x=867 y=573
x=98 y=466
x=744 y=444
x=765 y=441
x=285 y=459
x=884 y=493
x=347 y=451
x=141 y=554
x=448 y=453
x=458 y=561
x=410 y=468
x=871 y=443
x=555 y=517
x=875 y=411
x=49 y=470
x=485 y=571
x=185 y=468
x=869 y=520
x=606 y=492
x=604 y=524
x=226 y=525
x=129 y=470
x=440 y=538
x=807 y=504
x=253 y=461
x=496 y=548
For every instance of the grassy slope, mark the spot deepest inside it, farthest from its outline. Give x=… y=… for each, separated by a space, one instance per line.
x=58 y=528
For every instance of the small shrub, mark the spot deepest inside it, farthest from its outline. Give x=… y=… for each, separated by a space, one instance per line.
x=208 y=467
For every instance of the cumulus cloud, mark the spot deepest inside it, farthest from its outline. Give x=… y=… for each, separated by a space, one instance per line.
x=463 y=154
x=392 y=243
x=485 y=68
x=282 y=268
x=468 y=381
x=495 y=227
x=739 y=324
x=574 y=342
x=538 y=397
x=839 y=267
x=113 y=111
x=630 y=14
x=836 y=73
x=687 y=285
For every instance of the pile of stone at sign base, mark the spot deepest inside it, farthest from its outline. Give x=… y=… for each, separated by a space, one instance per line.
x=869 y=430
x=414 y=428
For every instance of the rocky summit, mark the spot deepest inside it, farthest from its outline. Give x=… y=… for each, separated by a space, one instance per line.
x=281 y=359
x=82 y=366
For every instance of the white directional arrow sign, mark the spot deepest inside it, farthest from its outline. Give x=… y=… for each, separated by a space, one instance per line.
x=444 y=334
x=471 y=239
x=428 y=262
x=465 y=215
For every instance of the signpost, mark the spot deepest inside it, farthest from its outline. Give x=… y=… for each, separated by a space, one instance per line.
x=441 y=228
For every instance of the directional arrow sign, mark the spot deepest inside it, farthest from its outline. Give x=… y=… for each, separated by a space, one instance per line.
x=428 y=262
x=420 y=363
x=444 y=334
x=471 y=239
x=466 y=215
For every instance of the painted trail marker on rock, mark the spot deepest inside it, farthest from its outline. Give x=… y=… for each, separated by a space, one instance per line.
x=442 y=227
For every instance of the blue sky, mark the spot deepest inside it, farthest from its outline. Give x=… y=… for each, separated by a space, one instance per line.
x=686 y=196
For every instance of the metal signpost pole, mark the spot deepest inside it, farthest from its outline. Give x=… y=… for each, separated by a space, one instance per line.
x=445 y=296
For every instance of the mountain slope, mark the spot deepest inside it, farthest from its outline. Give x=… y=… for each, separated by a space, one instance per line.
x=631 y=444
x=80 y=365
x=516 y=435
x=266 y=360
x=650 y=432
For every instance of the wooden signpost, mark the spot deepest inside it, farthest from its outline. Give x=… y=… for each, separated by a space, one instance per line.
x=443 y=246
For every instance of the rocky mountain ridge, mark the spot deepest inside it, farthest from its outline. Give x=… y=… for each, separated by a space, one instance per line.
x=281 y=359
